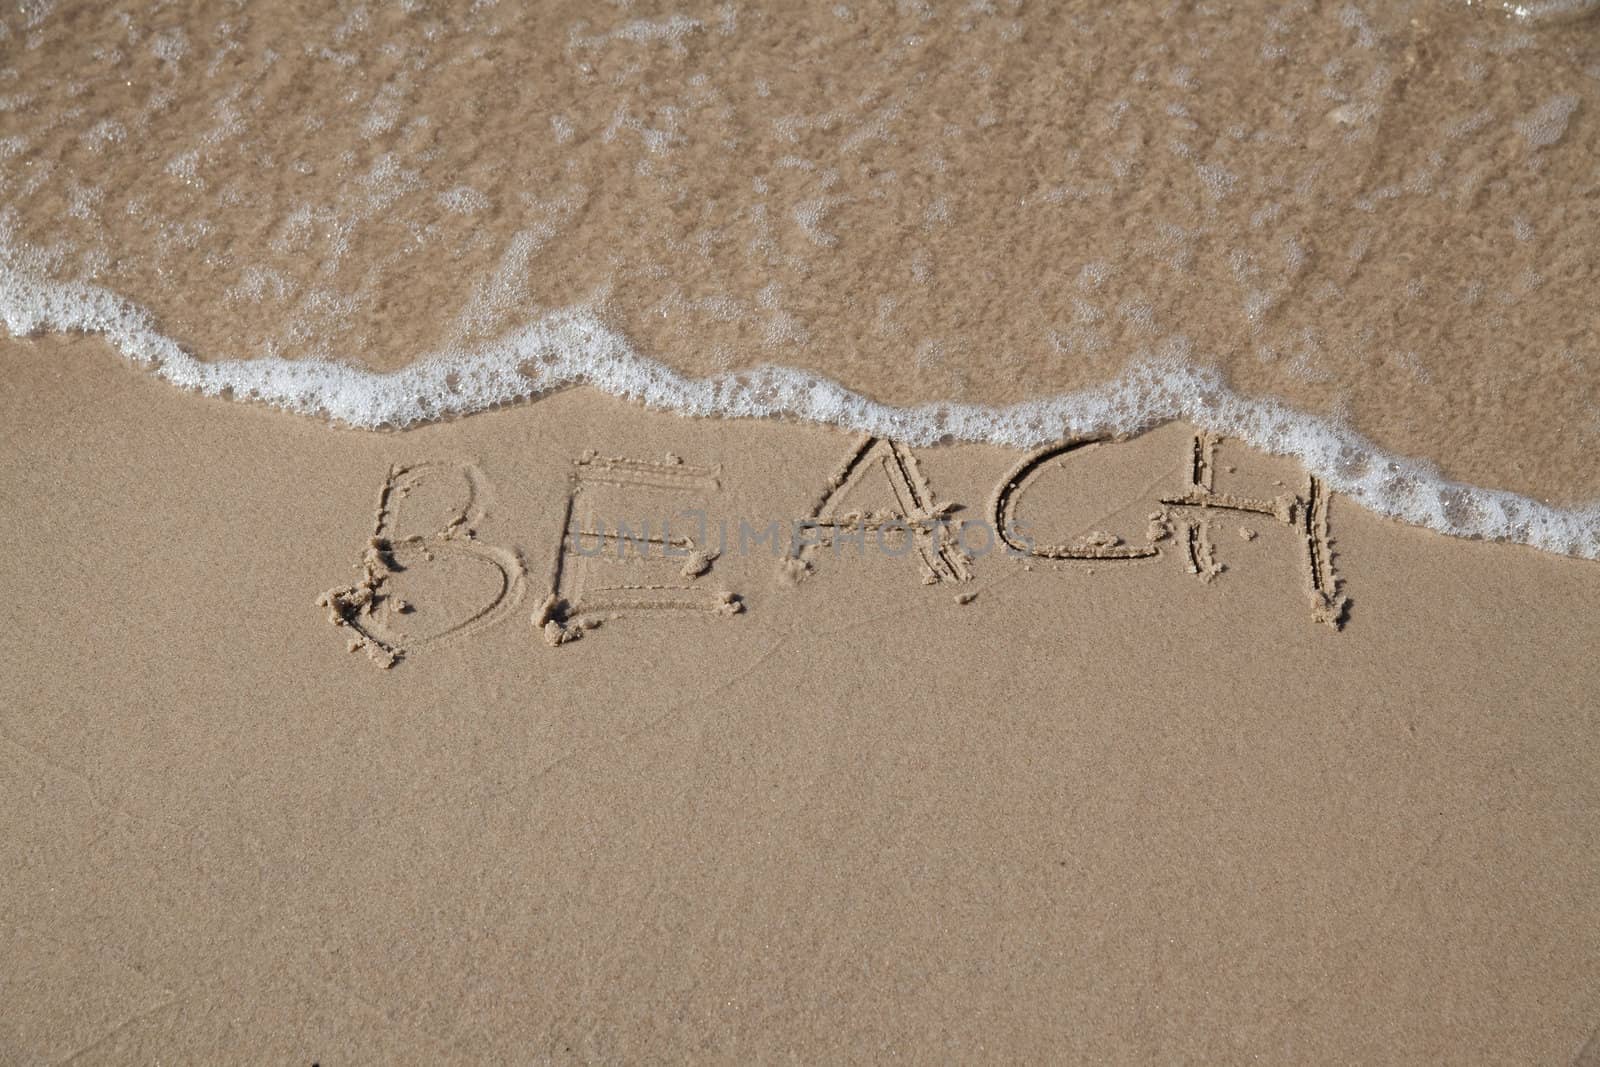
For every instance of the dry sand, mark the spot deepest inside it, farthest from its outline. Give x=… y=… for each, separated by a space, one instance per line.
x=1059 y=810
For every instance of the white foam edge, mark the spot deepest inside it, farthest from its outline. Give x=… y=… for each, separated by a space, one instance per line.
x=572 y=347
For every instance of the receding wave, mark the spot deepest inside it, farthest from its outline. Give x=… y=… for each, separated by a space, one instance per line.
x=572 y=347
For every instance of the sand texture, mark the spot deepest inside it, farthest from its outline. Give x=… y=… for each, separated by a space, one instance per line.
x=1222 y=768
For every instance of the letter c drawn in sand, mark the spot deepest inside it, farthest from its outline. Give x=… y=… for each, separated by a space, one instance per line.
x=1002 y=511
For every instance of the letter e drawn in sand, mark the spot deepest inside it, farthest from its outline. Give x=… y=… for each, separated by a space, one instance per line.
x=426 y=577
x=604 y=573
x=903 y=515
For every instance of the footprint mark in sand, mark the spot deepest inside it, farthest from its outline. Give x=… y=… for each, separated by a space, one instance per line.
x=426 y=575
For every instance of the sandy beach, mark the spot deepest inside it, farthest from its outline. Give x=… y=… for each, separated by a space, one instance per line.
x=1061 y=809
x=666 y=531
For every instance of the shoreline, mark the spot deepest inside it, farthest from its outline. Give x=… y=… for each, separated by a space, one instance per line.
x=571 y=349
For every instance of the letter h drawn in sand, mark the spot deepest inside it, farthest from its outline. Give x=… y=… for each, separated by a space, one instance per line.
x=606 y=572
x=909 y=515
x=1306 y=513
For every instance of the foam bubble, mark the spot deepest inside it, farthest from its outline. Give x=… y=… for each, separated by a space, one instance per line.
x=1547 y=123
x=572 y=347
x=1548 y=12
x=463 y=200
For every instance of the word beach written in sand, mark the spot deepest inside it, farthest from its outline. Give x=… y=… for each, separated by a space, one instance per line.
x=427 y=576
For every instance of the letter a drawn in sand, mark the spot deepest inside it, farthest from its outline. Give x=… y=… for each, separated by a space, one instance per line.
x=907 y=519
x=603 y=573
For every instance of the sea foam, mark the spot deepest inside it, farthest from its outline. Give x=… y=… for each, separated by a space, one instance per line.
x=572 y=347
x=1547 y=12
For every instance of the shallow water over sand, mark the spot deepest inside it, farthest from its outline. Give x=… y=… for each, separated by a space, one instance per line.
x=1379 y=213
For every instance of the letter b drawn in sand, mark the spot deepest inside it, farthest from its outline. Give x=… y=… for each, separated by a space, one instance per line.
x=426 y=575
x=906 y=520
x=604 y=572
